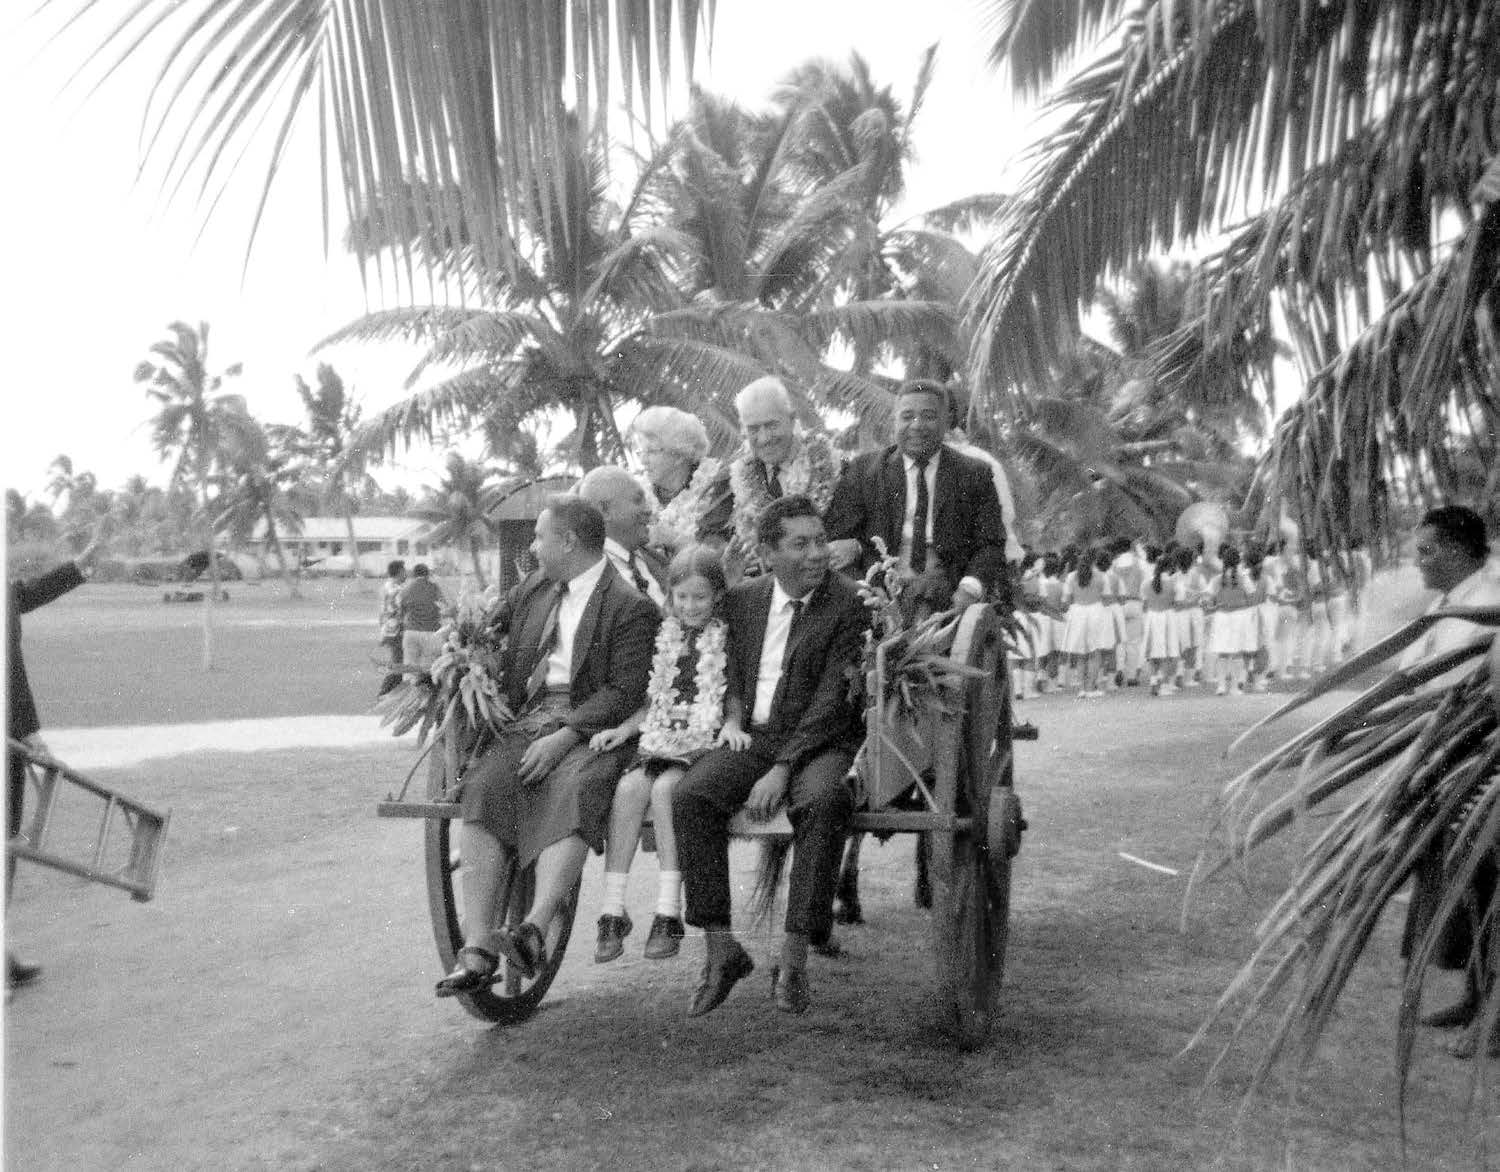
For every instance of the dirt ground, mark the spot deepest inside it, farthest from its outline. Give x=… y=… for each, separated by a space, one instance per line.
x=272 y=1008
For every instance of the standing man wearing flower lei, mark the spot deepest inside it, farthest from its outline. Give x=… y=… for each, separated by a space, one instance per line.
x=777 y=460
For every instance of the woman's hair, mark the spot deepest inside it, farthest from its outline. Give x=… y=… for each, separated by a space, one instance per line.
x=1103 y=557
x=1085 y=570
x=1051 y=564
x=673 y=431
x=698 y=561
x=1231 y=559
x=1186 y=556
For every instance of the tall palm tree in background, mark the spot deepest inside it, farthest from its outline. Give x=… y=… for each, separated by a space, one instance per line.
x=262 y=493
x=195 y=422
x=1344 y=159
x=328 y=452
x=459 y=510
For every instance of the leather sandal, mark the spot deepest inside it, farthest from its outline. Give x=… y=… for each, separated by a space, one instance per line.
x=524 y=948
x=475 y=971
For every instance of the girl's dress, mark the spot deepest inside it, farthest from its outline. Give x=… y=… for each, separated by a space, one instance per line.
x=1090 y=625
x=1160 y=636
x=1034 y=619
x=1195 y=583
x=685 y=696
x=1237 y=616
x=1052 y=596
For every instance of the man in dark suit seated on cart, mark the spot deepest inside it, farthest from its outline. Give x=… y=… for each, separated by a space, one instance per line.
x=795 y=639
x=577 y=662
x=934 y=508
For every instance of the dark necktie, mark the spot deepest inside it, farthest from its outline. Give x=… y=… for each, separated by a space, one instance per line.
x=640 y=579
x=796 y=604
x=919 y=522
x=545 y=644
x=773 y=479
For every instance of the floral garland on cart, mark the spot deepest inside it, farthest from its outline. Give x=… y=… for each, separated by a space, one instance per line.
x=676 y=522
x=674 y=728
x=813 y=472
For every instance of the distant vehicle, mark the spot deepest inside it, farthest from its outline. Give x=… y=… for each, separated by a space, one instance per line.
x=195 y=566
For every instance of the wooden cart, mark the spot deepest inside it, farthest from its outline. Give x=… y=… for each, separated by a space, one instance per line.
x=970 y=814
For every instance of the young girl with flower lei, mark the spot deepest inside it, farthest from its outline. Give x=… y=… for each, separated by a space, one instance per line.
x=688 y=711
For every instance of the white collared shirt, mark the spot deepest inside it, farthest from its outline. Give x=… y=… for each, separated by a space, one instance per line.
x=1478 y=589
x=580 y=589
x=623 y=559
x=909 y=521
x=772 y=652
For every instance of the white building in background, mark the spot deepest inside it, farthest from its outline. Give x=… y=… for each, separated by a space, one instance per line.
x=324 y=543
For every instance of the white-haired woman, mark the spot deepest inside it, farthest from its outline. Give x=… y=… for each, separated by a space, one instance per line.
x=673 y=446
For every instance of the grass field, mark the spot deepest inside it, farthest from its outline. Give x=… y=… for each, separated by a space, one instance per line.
x=272 y=1008
x=116 y=654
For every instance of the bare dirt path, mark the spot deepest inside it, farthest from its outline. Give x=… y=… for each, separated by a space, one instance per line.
x=272 y=1007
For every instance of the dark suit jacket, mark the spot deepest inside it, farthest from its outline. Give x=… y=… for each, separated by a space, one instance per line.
x=611 y=651
x=811 y=711
x=968 y=531
x=22 y=597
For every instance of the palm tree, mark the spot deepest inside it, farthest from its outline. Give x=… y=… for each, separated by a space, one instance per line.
x=570 y=327
x=329 y=451
x=1333 y=147
x=459 y=510
x=787 y=253
x=261 y=487
x=485 y=81
x=195 y=419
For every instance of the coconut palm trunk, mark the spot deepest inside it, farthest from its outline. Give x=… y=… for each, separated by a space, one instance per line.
x=354 y=571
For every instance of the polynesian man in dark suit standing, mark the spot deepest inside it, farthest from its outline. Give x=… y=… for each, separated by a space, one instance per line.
x=935 y=509
x=795 y=637
x=577 y=662
x=22 y=596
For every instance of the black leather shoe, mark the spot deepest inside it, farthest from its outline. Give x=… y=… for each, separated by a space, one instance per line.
x=719 y=979
x=612 y=933
x=1452 y=1017
x=789 y=989
x=19 y=973
x=665 y=939
x=523 y=948
x=476 y=970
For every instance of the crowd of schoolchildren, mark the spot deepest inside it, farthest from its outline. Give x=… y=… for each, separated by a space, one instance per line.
x=1125 y=614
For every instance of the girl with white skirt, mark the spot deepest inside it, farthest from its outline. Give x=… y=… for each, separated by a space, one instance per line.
x=1236 y=632
x=1161 y=595
x=1036 y=628
x=1090 y=629
x=1195 y=583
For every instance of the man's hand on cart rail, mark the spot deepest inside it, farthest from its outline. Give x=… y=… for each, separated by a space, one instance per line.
x=769 y=794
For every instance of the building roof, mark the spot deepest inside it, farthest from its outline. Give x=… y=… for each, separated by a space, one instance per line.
x=365 y=529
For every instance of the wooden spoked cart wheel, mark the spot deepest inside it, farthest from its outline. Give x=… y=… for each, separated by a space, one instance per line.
x=511 y=998
x=971 y=864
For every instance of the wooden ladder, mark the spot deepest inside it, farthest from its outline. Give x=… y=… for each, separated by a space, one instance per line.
x=147 y=828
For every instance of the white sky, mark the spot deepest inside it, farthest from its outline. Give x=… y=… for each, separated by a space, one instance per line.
x=97 y=268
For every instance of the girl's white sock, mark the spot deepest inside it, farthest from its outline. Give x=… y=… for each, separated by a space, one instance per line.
x=669 y=894
x=614 y=893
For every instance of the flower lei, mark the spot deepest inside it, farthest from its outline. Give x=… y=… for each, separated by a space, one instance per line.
x=676 y=522
x=813 y=472
x=674 y=728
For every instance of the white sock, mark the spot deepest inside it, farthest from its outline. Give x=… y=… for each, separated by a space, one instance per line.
x=614 y=893
x=669 y=894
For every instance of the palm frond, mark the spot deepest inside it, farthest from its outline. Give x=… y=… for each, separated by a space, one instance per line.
x=462 y=92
